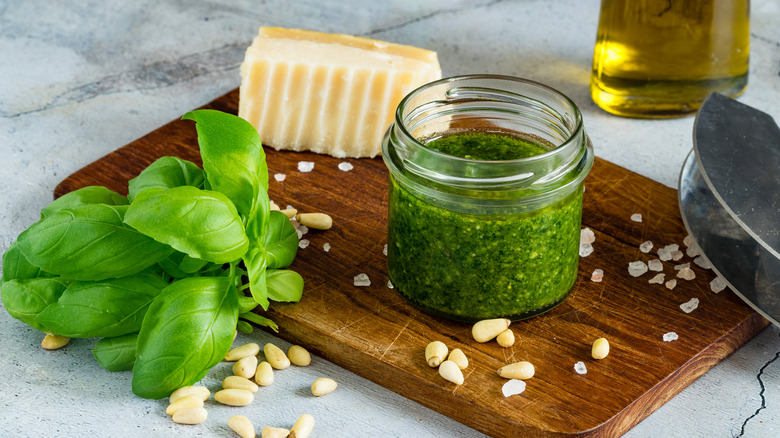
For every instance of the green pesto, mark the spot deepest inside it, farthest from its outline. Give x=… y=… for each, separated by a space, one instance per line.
x=470 y=267
x=486 y=146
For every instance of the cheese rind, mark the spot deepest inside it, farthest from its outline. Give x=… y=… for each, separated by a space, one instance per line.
x=328 y=93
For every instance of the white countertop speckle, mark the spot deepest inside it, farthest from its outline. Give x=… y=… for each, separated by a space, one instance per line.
x=80 y=79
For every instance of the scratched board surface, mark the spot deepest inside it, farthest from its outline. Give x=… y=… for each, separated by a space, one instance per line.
x=372 y=331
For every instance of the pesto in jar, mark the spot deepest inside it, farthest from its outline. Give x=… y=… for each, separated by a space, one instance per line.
x=469 y=267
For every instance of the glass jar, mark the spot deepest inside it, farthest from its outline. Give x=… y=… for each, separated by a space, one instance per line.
x=471 y=239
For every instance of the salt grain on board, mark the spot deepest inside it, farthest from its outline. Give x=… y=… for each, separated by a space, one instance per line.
x=303 y=243
x=580 y=367
x=326 y=247
x=587 y=236
x=362 y=280
x=384 y=250
x=345 y=167
x=586 y=249
x=686 y=274
x=664 y=254
x=390 y=284
x=690 y=306
x=655 y=265
x=671 y=284
x=688 y=241
x=636 y=217
x=702 y=262
x=597 y=275
x=658 y=279
x=280 y=177
x=645 y=247
x=303 y=229
x=692 y=251
x=671 y=336
x=682 y=266
x=637 y=268
x=513 y=387
x=718 y=284
x=677 y=255
x=305 y=166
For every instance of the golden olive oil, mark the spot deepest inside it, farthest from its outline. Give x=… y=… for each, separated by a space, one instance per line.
x=662 y=58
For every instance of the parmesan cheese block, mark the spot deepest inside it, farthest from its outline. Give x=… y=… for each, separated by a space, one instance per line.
x=328 y=93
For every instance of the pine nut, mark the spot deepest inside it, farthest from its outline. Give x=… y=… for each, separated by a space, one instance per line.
x=600 y=348
x=518 y=370
x=303 y=427
x=323 y=386
x=459 y=357
x=264 y=375
x=234 y=397
x=275 y=356
x=319 y=221
x=275 y=432
x=186 y=402
x=245 y=367
x=54 y=342
x=200 y=391
x=506 y=338
x=190 y=416
x=290 y=212
x=488 y=329
x=451 y=372
x=299 y=356
x=242 y=351
x=435 y=353
x=242 y=426
x=238 y=382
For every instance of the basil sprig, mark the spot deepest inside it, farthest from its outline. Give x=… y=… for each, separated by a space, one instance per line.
x=161 y=275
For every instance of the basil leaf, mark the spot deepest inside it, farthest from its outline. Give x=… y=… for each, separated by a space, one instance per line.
x=105 y=308
x=284 y=285
x=280 y=241
x=165 y=173
x=200 y=223
x=25 y=299
x=260 y=320
x=256 y=268
x=187 y=330
x=84 y=196
x=117 y=353
x=89 y=242
x=233 y=156
x=191 y=265
x=17 y=267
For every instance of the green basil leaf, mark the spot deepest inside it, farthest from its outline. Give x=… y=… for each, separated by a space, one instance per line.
x=233 y=156
x=117 y=353
x=280 y=241
x=200 y=223
x=244 y=327
x=84 y=196
x=260 y=320
x=284 y=285
x=191 y=265
x=165 y=173
x=187 y=330
x=89 y=242
x=256 y=269
x=25 y=299
x=17 y=267
x=106 y=308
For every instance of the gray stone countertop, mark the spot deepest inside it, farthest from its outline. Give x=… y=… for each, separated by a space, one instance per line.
x=81 y=79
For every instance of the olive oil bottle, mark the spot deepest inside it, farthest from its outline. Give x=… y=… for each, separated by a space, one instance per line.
x=662 y=58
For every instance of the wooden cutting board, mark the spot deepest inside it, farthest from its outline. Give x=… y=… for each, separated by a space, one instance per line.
x=373 y=332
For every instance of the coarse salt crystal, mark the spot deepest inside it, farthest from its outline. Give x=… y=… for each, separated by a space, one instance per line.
x=637 y=268
x=690 y=306
x=280 y=177
x=636 y=217
x=688 y=241
x=390 y=284
x=718 y=284
x=289 y=207
x=326 y=247
x=513 y=387
x=345 y=167
x=586 y=249
x=298 y=232
x=587 y=236
x=672 y=247
x=655 y=265
x=671 y=284
x=303 y=228
x=303 y=243
x=682 y=266
x=677 y=255
x=384 y=250
x=692 y=251
x=580 y=368
x=671 y=336
x=658 y=279
x=664 y=254
x=702 y=262
x=362 y=280
x=305 y=166
x=645 y=247
x=597 y=275
x=686 y=274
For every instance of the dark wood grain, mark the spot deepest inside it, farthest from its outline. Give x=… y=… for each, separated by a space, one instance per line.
x=375 y=333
